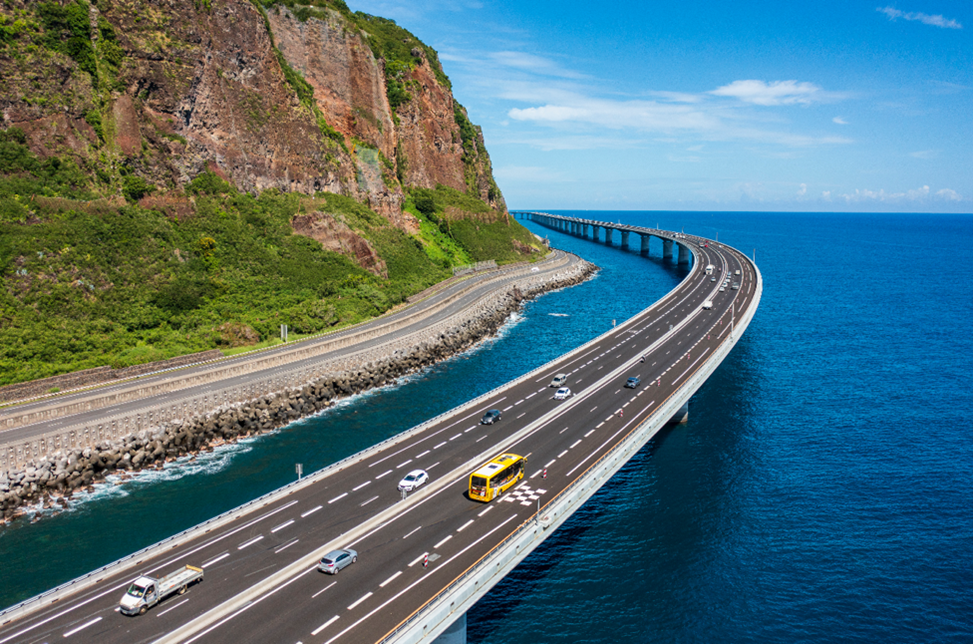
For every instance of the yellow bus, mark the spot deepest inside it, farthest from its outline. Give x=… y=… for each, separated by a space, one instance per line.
x=496 y=477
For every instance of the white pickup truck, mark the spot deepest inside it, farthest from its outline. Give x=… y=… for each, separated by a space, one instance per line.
x=146 y=592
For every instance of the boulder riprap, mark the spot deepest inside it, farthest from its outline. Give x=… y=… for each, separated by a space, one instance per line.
x=50 y=480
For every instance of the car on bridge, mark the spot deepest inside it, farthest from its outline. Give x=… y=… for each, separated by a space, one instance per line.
x=562 y=393
x=413 y=480
x=490 y=417
x=559 y=380
x=632 y=382
x=335 y=560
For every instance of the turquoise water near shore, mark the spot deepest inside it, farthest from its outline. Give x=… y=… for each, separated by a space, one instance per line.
x=821 y=490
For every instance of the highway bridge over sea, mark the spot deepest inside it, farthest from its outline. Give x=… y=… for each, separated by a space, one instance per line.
x=426 y=559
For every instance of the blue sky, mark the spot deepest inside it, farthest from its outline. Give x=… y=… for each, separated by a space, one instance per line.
x=696 y=105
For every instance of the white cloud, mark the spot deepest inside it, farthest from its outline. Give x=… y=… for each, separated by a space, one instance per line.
x=803 y=190
x=924 y=154
x=924 y=18
x=922 y=194
x=711 y=122
x=533 y=64
x=758 y=92
x=839 y=120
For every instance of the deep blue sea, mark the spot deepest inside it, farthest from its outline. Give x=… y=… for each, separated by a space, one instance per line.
x=822 y=490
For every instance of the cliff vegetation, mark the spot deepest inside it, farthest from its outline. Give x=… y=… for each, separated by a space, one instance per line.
x=179 y=176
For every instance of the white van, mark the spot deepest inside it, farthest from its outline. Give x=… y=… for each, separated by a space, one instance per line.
x=559 y=379
x=708 y=304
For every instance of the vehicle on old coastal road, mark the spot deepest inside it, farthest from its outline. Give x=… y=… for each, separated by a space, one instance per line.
x=559 y=380
x=145 y=592
x=335 y=560
x=562 y=393
x=632 y=382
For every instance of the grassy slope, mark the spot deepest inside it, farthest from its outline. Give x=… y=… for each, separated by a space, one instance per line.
x=92 y=282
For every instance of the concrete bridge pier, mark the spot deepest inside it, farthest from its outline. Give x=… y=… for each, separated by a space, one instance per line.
x=682 y=416
x=608 y=236
x=645 y=245
x=667 y=249
x=625 y=239
x=455 y=634
x=684 y=255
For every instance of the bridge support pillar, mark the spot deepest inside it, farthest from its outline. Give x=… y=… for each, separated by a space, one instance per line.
x=684 y=254
x=455 y=634
x=682 y=416
x=608 y=236
x=584 y=231
x=645 y=245
x=625 y=239
x=666 y=249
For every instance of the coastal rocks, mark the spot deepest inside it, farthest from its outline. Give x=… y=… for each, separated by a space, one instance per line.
x=47 y=482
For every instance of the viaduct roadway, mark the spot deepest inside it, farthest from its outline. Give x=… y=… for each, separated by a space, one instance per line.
x=261 y=582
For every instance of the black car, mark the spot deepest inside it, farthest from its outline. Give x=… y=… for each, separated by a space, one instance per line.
x=490 y=417
x=632 y=382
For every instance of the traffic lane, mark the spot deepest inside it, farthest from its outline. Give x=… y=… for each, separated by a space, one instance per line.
x=436 y=531
x=426 y=530
x=397 y=546
x=93 y=601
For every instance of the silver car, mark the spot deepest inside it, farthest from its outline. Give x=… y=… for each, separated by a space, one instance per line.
x=335 y=560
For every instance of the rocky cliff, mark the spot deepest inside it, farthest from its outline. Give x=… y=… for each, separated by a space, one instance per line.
x=267 y=94
x=180 y=176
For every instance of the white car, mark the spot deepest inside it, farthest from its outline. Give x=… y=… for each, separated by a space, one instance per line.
x=413 y=480
x=562 y=393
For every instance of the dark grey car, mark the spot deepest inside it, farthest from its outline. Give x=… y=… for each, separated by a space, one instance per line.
x=335 y=560
x=490 y=417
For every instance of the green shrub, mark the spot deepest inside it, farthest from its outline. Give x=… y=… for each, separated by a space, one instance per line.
x=209 y=183
x=134 y=188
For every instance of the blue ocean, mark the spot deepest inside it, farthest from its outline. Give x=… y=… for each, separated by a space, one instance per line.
x=822 y=490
